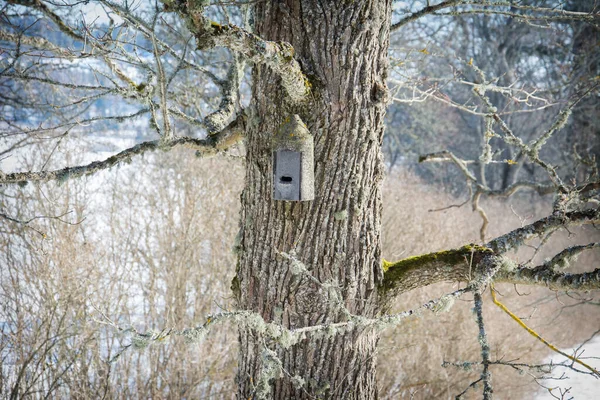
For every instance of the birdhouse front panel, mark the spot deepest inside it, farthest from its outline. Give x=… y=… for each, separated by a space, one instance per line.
x=293 y=162
x=287 y=175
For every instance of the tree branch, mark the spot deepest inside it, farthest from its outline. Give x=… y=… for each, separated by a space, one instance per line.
x=418 y=271
x=560 y=16
x=537 y=335
x=563 y=259
x=527 y=13
x=449 y=156
x=27 y=222
x=487 y=263
x=486 y=376
x=38 y=5
x=35 y=42
x=231 y=135
x=279 y=56
x=516 y=238
x=231 y=94
x=546 y=276
x=540 y=188
x=424 y=11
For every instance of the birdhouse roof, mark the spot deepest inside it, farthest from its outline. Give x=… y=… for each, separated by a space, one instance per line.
x=292 y=135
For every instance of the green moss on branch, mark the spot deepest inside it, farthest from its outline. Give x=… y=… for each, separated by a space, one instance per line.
x=426 y=269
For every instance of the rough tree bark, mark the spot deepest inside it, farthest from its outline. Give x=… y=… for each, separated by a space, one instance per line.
x=342 y=46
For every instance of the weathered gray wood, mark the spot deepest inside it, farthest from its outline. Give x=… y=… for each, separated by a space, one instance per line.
x=293 y=162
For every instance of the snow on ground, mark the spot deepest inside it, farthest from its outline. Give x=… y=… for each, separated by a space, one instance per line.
x=582 y=387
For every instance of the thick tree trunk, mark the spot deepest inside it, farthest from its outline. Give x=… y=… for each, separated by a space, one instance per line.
x=342 y=46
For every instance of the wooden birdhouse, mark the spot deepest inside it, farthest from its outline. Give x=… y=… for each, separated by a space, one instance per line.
x=293 y=162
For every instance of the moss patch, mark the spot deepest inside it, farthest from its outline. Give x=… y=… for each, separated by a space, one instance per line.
x=394 y=272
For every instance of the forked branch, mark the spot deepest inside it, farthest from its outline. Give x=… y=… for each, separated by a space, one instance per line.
x=279 y=56
x=489 y=263
x=538 y=337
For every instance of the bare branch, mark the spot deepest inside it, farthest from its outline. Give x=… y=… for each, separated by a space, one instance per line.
x=146 y=29
x=449 y=156
x=38 y=5
x=167 y=134
x=526 y=13
x=34 y=42
x=53 y=82
x=563 y=259
x=537 y=336
x=27 y=222
x=279 y=56
x=560 y=16
x=424 y=11
x=516 y=238
x=541 y=189
x=486 y=376
x=482 y=214
x=511 y=139
x=472 y=385
x=273 y=330
x=231 y=93
x=544 y=276
x=231 y=135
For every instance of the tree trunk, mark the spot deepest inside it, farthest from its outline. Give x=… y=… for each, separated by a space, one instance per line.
x=316 y=262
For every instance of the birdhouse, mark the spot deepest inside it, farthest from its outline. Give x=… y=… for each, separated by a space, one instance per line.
x=293 y=169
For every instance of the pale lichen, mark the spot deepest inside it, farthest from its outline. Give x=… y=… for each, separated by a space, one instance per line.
x=298 y=381
x=444 y=304
x=288 y=338
x=341 y=215
x=507 y=265
x=142 y=340
x=271 y=369
x=194 y=335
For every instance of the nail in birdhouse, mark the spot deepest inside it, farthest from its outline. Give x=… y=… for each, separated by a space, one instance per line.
x=293 y=169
